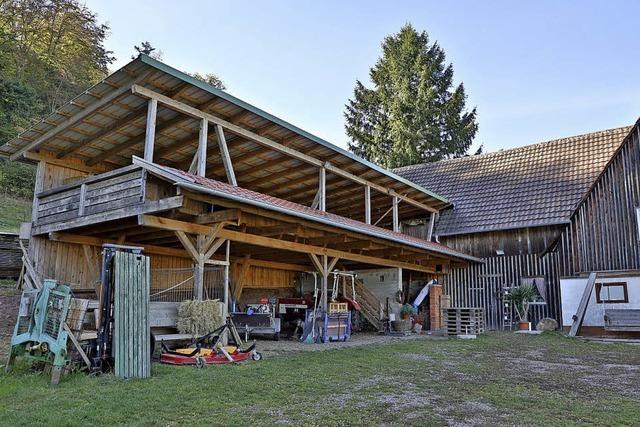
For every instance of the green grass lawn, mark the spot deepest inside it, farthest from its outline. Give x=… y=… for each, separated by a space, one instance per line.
x=13 y=211
x=497 y=379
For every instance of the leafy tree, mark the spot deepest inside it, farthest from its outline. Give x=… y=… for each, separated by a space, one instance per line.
x=413 y=114
x=16 y=179
x=146 y=48
x=50 y=51
x=54 y=46
x=211 y=79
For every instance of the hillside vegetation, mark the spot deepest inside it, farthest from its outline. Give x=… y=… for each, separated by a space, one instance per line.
x=13 y=211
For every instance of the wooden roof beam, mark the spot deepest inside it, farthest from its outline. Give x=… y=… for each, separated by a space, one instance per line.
x=252 y=239
x=131 y=117
x=79 y=116
x=176 y=121
x=194 y=112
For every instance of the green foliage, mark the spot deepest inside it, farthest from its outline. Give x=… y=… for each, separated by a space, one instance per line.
x=413 y=114
x=13 y=212
x=211 y=79
x=520 y=297
x=408 y=309
x=50 y=51
x=146 y=48
x=19 y=103
x=16 y=179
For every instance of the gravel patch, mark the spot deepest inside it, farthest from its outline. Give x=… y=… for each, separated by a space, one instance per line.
x=285 y=347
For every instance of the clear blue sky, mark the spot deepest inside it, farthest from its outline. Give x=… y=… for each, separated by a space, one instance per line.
x=536 y=70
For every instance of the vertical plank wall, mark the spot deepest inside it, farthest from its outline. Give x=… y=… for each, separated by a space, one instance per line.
x=603 y=234
x=482 y=285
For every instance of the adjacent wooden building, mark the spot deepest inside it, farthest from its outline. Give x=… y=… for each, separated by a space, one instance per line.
x=546 y=212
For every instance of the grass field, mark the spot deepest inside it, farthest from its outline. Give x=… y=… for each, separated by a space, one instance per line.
x=13 y=211
x=501 y=378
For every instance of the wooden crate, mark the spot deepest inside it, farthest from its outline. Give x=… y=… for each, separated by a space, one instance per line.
x=338 y=307
x=463 y=320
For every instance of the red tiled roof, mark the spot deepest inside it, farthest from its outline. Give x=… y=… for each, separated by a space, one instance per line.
x=223 y=189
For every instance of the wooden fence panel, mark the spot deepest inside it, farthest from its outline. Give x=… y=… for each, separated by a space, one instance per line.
x=132 y=352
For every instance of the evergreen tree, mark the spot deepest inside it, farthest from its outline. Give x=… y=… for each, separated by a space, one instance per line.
x=413 y=114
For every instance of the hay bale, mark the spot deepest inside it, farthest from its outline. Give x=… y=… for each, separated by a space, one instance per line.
x=199 y=317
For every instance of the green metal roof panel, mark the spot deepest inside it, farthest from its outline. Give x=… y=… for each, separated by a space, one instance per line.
x=230 y=98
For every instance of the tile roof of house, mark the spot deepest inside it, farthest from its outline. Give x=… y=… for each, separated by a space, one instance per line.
x=535 y=185
x=222 y=189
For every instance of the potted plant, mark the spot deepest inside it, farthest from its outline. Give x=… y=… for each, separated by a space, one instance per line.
x=404 y=323
x=407 y=311
x=521 y=297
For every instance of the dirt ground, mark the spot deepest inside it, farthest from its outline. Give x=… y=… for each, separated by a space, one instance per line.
x=9 y=301
x=286 y=347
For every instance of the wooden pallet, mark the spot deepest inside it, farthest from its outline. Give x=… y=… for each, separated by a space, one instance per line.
x=463 y=320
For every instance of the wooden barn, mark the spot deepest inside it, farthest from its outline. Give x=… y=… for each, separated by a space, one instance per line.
x=549 y=213
x=229 y=201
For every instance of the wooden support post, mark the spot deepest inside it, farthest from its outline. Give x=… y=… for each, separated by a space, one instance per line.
x=202 y=147
x=225 y=285
x=432 y=221
x=322 y=190
x=396 y=220
x=81 y=203
x=325 y=280
x=240 y=281
x=150 y=133
x=224 y=154
x=316 y=200
x=367 y=204
x=198 y=280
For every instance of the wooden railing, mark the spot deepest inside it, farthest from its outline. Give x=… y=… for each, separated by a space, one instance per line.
x=112 y=190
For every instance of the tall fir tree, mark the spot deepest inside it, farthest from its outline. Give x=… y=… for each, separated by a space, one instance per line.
x=413 y=114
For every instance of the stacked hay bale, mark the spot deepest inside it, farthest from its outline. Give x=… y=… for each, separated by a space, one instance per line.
x=199 y=317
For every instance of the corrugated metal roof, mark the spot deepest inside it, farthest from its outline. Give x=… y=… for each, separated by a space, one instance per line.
x=535 y=185
x=87 y=139
x=221 y=189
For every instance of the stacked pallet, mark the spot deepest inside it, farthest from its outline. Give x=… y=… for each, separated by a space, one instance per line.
x=10 y=255
x=463 y=320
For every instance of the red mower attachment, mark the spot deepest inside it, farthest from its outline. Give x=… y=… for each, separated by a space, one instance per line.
x=212 y=359
x=206 y=350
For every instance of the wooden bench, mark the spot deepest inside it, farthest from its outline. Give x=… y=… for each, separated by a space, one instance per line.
x=623 y=320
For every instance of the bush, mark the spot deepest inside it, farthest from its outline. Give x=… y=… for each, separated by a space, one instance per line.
x=16 y=179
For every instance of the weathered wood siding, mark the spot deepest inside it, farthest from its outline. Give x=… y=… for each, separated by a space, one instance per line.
x=10 y=255
x=603 y=234
x=512 y=242
x=482 y=285
x=90 y=198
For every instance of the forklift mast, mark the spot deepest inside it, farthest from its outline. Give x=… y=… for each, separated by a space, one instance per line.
x=103 y=358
